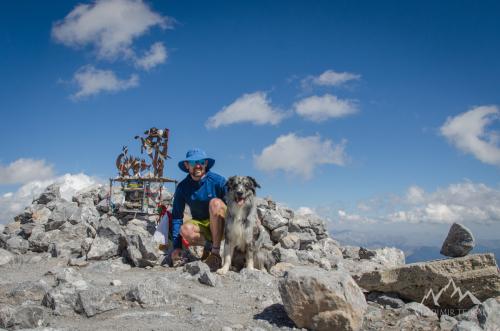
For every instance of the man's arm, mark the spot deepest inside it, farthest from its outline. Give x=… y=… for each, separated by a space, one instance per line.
x=177 y=214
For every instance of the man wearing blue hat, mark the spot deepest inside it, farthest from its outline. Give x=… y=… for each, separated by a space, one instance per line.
x=203 y=191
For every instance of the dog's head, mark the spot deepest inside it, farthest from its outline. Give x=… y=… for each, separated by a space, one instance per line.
x=240 y=188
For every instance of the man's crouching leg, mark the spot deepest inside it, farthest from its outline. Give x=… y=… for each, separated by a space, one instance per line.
x=217 y=209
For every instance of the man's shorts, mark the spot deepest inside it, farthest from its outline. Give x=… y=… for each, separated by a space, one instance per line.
x=204 y=226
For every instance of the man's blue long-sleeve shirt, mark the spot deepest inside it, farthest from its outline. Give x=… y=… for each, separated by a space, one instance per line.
x=197 y=195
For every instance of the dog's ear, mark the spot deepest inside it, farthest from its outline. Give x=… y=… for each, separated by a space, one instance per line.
x=230 y=181
x=254 y=182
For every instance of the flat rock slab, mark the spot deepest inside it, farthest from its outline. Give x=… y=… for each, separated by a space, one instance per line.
x=478 y=274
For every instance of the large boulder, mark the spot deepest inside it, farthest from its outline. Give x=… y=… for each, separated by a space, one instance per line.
x=476 y=277
x=5 y=257
x=51 y=193
x=459 y=241
x=141 y=250
x=320 y=300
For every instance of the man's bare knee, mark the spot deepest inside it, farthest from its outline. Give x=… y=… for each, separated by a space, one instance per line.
x=217 y=207
x=188 y=231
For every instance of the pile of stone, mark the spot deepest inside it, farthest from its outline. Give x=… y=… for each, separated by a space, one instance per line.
x=317 y=283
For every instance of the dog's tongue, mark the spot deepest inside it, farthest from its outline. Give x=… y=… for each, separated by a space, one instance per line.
x=240 y=201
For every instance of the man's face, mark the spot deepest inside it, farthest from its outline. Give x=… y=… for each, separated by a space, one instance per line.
x=196 y=168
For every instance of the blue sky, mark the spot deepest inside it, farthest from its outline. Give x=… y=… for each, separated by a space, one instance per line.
x=362 y=111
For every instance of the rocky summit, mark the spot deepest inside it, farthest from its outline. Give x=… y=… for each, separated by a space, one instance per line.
x=75 y=265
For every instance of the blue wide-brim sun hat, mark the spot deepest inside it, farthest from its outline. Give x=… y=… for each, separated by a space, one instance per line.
x=196 y=154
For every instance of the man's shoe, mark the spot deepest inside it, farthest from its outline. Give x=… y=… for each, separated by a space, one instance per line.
x=214 y=262
x=205 y=255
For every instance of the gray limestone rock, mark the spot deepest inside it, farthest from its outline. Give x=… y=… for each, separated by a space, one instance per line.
x=279 y=233
x=285 y=255
x=141 y=250
x=386 y=299
x=196 y=267
x=94 y=301
x=290 y=241
x=103 y=249
x=51 y=193
x=273 y=220
x=154 y=292
x=322 y=300
x=417 y=309
x=208 y=278
x=459 y=241
x=5 y=257
x=17 y=245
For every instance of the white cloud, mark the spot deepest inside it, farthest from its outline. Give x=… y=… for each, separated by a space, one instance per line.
x=303 y=211
x=254 y=107
x=321 y=108
x=330 y=78
x=110 y=26
x=25 y=170
x=345 y=217
x=468 y=133
x=12 y=203
x=93 y=81
x=300 y=155
x=155 y=56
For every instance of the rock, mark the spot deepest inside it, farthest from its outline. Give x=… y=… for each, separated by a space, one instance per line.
x=27 y=292
x=290 y=241
x=110 y=228
x=447 y=323
x=85 y=214
x=389 y=257
x=322 y=300
x=103 y=206
x=366 y=254
x=418 y=309
x=196 y=267
x=62 y=300
x=312 y=257
x=95 y=301
x=279 y=269
x=154 y=292
x=273 y=220
x=51 y=193
x=26 y=229
x=88 y=195
x=116 y=282
x=23 y=317
x=40 y=214
x=141 y=249
x=61 y=213
x=489 y=314
x=285 y=212
x=466 y=326
x=279 y=233
x=299 y=223
x=350 y=252
x=5 y=257
x=17 y=245
x=477 y=274
x=39 y=240
x=307 y=237
x=386 y=299
x=77 y=262
x=285 y=255
x=103 y=249
x=459 y=241
x=208 y=278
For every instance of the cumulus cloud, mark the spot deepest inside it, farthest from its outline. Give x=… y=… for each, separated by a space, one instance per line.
x=155 y=56
x=254 y=108
x=321 y=108
x=92 y=81
x=300 y=155
x=330 y=78
x=466 y=202
x=12 y=203
x=110 y=26
x=25 y=170
x=467 y=132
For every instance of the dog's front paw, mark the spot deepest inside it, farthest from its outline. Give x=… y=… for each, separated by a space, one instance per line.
x=222 y=271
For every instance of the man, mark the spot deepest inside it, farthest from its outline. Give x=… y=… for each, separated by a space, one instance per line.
x=203 y=191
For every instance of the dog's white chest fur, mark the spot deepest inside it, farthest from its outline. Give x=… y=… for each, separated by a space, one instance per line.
x=238 y=231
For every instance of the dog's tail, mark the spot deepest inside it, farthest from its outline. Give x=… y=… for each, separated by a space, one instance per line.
x=263 y=256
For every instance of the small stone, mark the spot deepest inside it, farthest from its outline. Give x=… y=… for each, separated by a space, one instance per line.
x=418 y=309
x=196 y=267
x=459 y=241
x=116 y=282
x=208 y=278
